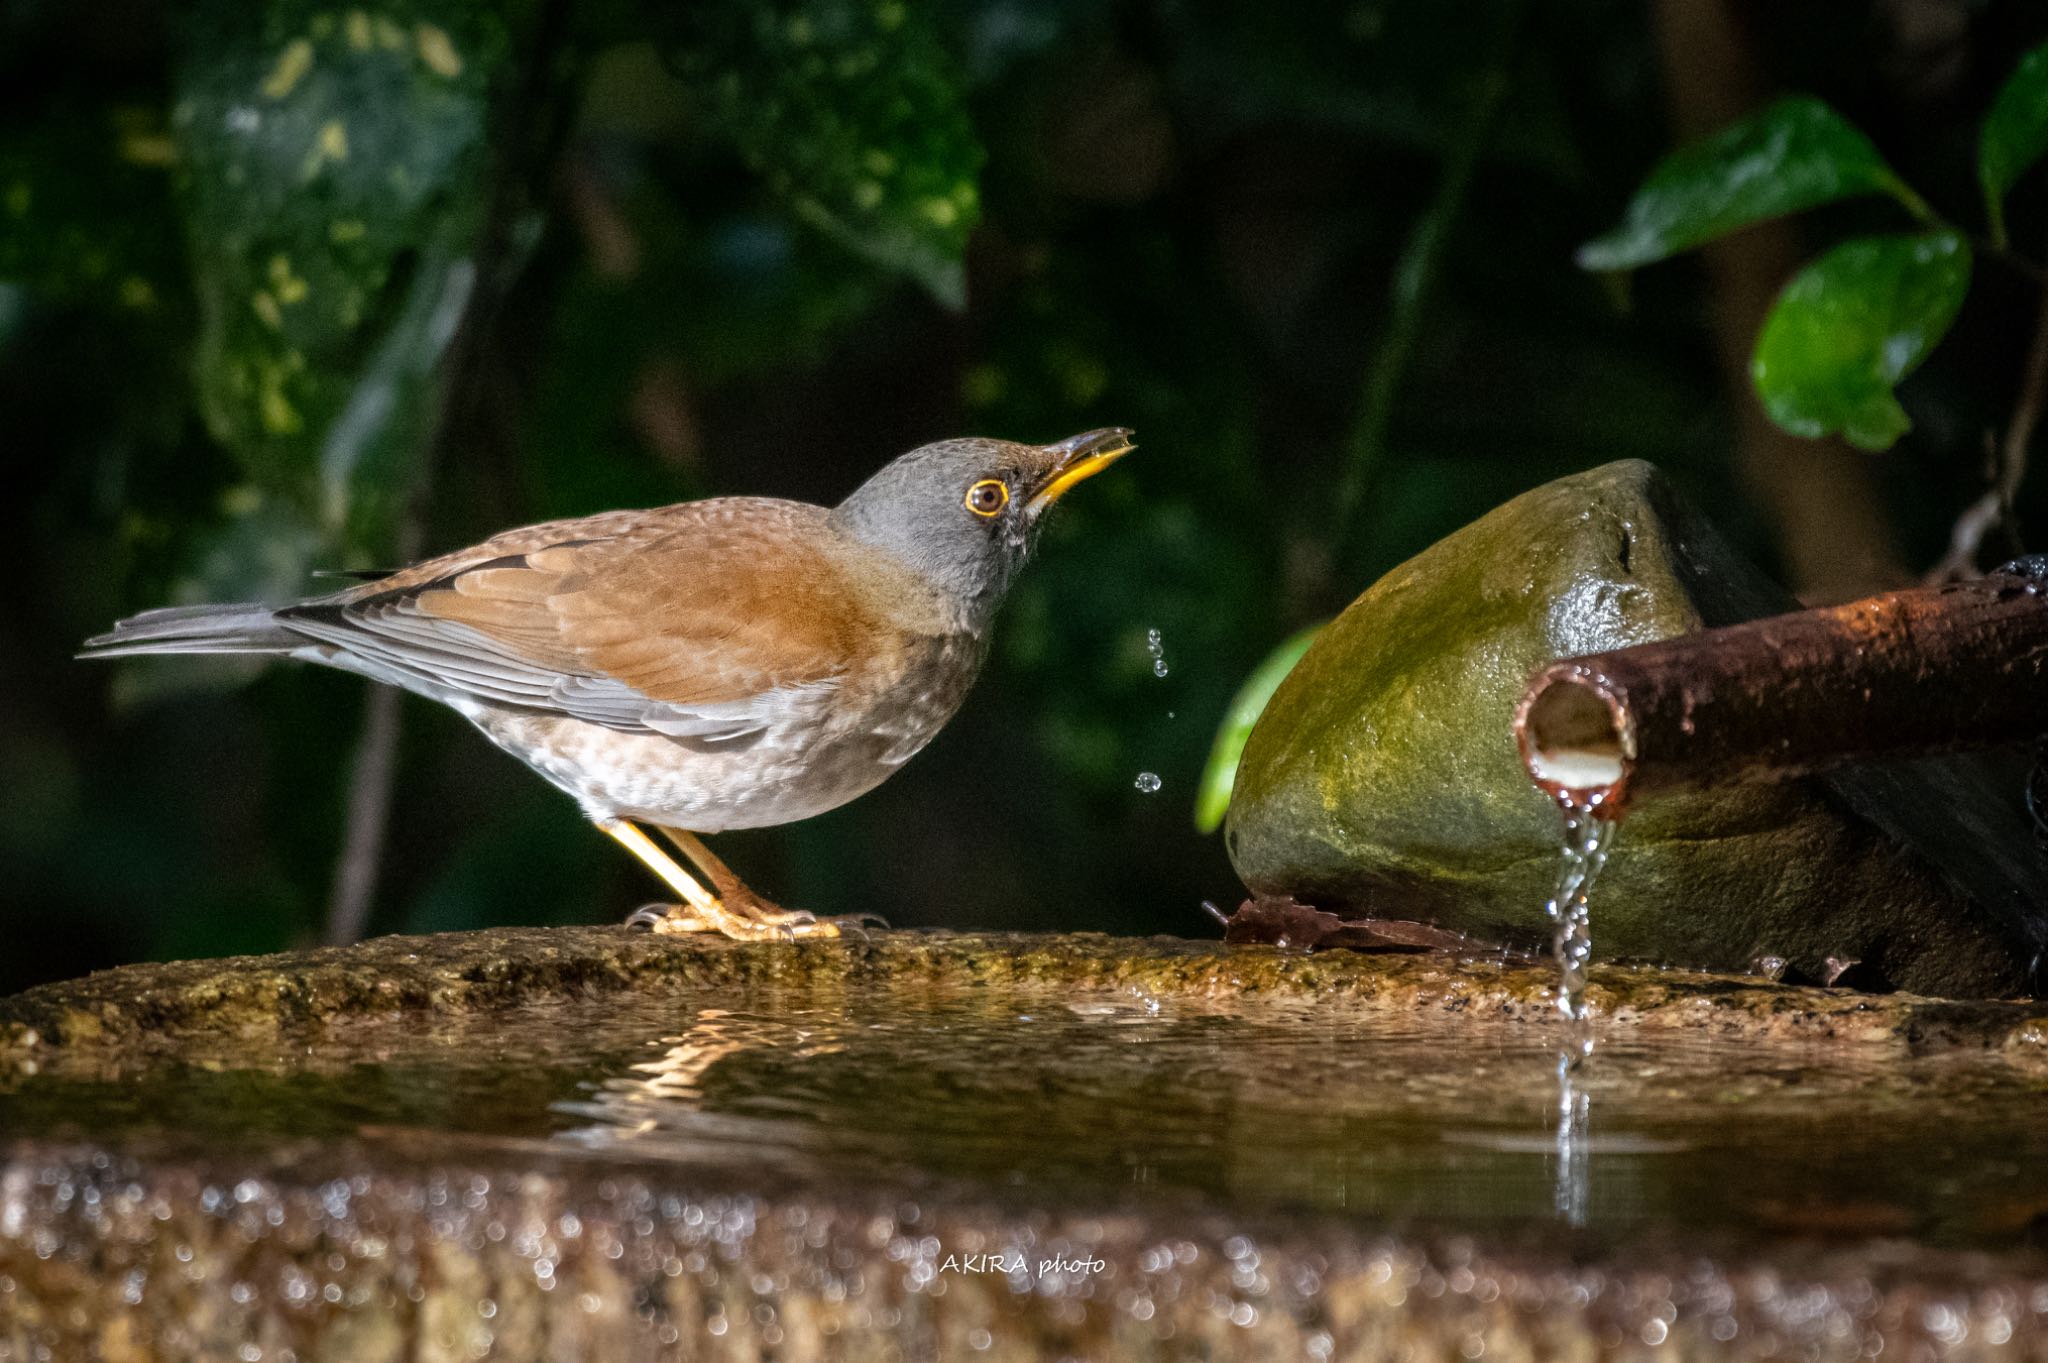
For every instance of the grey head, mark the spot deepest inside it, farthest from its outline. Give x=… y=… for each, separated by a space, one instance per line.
x=965 y=513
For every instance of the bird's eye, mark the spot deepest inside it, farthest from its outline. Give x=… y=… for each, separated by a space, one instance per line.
x=988 y=496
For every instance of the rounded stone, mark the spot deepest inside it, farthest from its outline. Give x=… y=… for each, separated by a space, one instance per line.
x=1383 y=779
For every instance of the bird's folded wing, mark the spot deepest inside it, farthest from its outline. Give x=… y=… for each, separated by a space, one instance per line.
x=707 y=624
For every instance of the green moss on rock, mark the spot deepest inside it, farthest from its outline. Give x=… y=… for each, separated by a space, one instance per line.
x=1383 y=778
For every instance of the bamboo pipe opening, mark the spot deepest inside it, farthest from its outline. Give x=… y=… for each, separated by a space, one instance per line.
x=1576 y=736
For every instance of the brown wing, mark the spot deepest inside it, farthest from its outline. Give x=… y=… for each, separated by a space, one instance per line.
x=703 y=619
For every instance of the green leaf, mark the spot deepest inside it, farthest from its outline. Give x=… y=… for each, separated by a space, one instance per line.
x=1850 y=326
x=1219 y=773
x=2015 y=134
x=1796 y=154
x=332 y=168
x=854 y=114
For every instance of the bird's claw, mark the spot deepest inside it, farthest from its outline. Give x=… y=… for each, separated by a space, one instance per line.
x=647 y=916
x=852 y=925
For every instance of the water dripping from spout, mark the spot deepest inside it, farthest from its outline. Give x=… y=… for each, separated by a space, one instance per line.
x=1588 y=837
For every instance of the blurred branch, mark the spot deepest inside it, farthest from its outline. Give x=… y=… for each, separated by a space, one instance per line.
x=449 y=298
x=1988 y=249
x=1831 y=527
x=1414 y=280
x=1994 y=510
x=369 y=814
x=501 y=253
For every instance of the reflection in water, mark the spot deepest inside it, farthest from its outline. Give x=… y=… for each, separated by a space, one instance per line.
x=1114 y=1090
x=1574 y=1153
x=664 y=1098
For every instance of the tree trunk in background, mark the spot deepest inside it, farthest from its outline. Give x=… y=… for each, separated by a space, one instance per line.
x=1834 y=537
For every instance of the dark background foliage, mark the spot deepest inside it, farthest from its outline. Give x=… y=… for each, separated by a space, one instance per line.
x=560 y=258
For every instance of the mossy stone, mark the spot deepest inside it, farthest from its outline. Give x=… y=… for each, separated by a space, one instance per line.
x=1383 y=779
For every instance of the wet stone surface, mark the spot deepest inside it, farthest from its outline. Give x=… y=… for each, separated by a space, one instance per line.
x=591 y=1144
x=436 y=980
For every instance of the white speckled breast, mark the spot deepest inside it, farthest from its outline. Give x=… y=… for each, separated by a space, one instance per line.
x=824 y=747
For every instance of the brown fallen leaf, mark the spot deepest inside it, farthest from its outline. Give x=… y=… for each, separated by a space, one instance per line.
x=1280 y=920
x=1283 y=921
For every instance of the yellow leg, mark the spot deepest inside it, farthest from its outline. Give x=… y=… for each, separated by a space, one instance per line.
x=662 y=864
x=731 y=890
x=701 y=911
x=734 y=894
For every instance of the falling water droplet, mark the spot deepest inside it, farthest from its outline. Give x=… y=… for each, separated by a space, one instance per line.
x=1148 y=782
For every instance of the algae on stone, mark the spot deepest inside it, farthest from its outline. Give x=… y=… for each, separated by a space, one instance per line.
x=459 y=988
x=1383 y=777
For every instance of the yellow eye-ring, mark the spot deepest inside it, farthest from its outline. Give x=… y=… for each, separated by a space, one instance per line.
x=988 y=496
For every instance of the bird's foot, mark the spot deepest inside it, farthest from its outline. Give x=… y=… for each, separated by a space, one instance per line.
x=740 y=900
x=790 y=923
x=757 y=922
x=729 y=907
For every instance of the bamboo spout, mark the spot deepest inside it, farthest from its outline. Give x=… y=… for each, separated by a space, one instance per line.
x=1914 y=671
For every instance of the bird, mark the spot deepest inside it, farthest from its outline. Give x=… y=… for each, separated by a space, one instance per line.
x=731 y=662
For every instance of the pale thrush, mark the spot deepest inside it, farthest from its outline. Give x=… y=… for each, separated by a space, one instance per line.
x=737 y=662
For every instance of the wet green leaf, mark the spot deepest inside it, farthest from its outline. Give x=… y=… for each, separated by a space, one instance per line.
x=1850 y=326
x=1219 y=774
x=853 y=112
x=1796 y=154
x=332 y=168
x=2015 y=134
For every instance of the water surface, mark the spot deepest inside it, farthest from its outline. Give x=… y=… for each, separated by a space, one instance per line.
x=1093 y=1099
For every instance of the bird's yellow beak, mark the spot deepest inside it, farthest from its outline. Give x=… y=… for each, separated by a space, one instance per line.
x=1077 y=459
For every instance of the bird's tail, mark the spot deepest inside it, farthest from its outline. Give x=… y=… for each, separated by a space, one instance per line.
x=194 y=629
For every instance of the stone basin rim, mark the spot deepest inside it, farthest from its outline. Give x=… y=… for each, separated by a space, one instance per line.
x=152 y=1007
x=1529 y=1295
